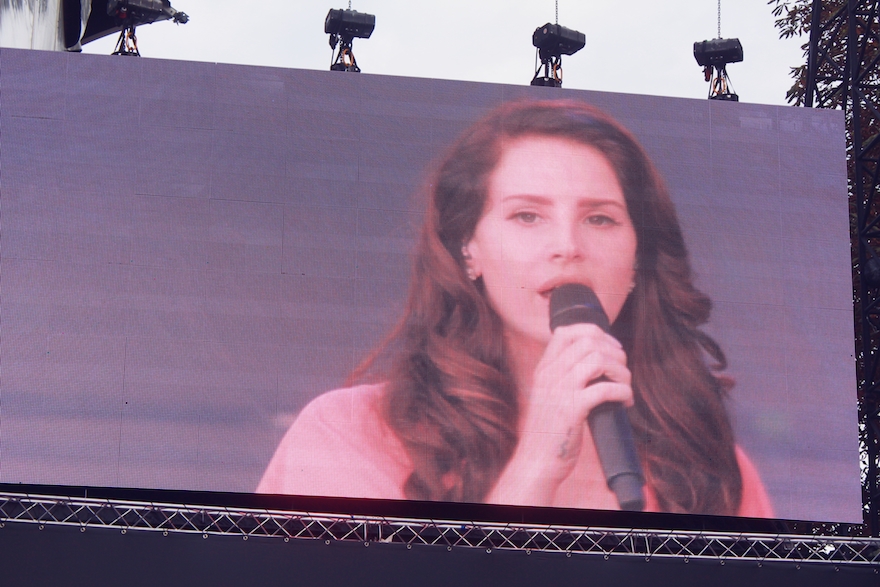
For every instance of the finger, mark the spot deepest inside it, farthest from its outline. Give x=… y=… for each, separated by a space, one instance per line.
x=593 y=369
x=606 y=364
x=593 y=360
x=565 y=336
x=583 y=329
x=602 y=392
x=570 y=410
x=575 y=343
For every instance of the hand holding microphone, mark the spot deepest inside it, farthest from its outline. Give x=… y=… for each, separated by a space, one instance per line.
x=582 y=377
x=575 y=303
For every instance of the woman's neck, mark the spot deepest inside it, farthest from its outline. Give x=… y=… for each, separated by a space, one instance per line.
x=524 y=353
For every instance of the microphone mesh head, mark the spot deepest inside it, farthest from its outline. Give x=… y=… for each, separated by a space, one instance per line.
x=575 y=303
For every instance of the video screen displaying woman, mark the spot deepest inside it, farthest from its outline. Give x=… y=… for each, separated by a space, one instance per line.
x=474 y=398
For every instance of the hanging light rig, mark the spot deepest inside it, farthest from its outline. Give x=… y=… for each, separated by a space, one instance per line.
x=713 y=56
x=344 y=26
x=552 y=41
x=127 y=15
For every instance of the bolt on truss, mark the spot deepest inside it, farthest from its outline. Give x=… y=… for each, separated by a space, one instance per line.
x=168 y=518
x=843 y=71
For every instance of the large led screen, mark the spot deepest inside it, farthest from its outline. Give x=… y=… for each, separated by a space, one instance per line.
x=197 y=258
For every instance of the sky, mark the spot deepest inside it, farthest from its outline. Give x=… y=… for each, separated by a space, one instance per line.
x=636 y=47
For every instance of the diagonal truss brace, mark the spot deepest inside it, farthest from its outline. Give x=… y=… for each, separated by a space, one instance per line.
x=167 y=518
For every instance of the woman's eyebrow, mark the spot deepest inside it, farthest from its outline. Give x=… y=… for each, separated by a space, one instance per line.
x=548 y=201
x=601 y=203
x=528 y=198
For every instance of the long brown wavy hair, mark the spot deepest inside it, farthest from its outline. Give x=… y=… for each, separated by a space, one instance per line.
x=450 y=394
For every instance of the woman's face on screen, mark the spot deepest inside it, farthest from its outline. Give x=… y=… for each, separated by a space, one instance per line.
x=555 y=213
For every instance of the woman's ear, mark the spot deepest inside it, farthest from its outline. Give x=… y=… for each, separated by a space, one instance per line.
x=635 y=272
x=470 y=265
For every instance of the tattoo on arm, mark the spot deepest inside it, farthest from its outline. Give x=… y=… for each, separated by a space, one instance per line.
x=563 y=448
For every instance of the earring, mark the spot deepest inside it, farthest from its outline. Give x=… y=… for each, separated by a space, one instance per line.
x=632 y=284
x=468 y=270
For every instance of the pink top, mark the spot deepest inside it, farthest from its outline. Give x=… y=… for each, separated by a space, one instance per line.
x=340 y=446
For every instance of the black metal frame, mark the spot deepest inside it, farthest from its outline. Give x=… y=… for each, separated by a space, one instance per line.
x=126 y=44
x=552 y=66
x=843 y=70
x=343 y=54
x=720 y=87
x=85 y=513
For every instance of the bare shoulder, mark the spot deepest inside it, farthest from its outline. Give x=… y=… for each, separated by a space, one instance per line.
x=347 y=405
x=339 y=445
x=755 y=501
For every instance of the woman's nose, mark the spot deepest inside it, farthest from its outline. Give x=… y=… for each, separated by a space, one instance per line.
x=568 y=244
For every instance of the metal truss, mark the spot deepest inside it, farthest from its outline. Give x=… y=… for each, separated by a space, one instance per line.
x=843 y=71
x=170 y=518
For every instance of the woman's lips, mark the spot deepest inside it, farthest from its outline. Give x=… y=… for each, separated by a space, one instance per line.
x=545 y=290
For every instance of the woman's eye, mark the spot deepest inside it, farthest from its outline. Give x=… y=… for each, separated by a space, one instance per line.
x=600 y=220
x=527 y=217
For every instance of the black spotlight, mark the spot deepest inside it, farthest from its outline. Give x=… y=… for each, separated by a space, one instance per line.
x=553 y=41
x=125 y=16
x=344 y=26
x=714 y=56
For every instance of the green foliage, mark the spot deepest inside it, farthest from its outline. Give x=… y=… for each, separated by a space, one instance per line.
x=848 y=77
x=794 y=19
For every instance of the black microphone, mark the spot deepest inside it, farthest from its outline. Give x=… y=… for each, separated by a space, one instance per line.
x=574 y=303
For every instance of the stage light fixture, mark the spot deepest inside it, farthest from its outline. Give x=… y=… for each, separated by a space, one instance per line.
x=343 y=26
x=127 y=15
x=713 y=56
x=145 y=11
x=718 y=52
x=555 y=39
x=552 y=41
x=349 y=22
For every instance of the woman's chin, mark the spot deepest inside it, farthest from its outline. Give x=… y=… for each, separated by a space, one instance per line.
x=528 y=339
